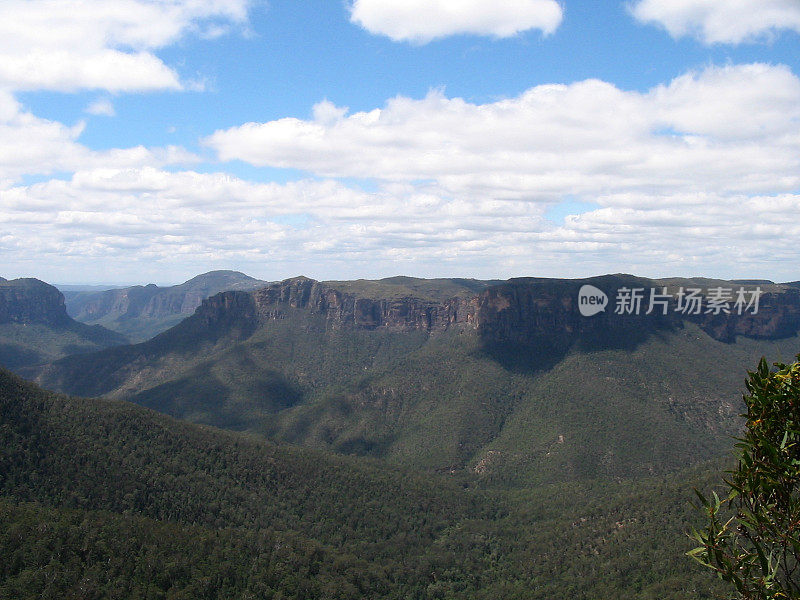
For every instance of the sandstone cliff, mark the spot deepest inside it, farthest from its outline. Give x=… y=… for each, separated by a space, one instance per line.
x=35 y=327
x=27 y=301
x=517 y=311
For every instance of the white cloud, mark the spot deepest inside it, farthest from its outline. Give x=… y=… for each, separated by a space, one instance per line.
x=101 y=107
x=68 y=45
x=421 y=21
x=724 y=129
x=136 y=221
x=721 y=21
x=698 y=176
x=30 y=145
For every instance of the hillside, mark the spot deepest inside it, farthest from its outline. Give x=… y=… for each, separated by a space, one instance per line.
x=106 y=499
x=35 y=327
x=140 y=312
x=510 y=381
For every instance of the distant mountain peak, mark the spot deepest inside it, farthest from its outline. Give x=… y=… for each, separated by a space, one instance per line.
x=217 y=276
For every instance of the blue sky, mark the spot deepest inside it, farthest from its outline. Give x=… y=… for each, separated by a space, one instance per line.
x=150 y=140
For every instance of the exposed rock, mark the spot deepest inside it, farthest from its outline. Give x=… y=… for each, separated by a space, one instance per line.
x=520 y=311
x=343 y=310
x=778 y=316
x=27 y=301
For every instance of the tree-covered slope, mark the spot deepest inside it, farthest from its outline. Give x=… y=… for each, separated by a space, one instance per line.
x=102 y=499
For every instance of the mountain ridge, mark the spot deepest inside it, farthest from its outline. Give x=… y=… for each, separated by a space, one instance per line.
x=498 y=307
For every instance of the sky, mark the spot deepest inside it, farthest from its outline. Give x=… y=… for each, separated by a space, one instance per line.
x=153 y=140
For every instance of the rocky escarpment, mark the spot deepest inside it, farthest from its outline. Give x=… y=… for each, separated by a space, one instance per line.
x=27 y=301
x=522 y=311
x=778 y=316
x=126 y=301
x=519 y=311
x=149 y=301
x=35 y=327
x=342 y=310
x=338 y=309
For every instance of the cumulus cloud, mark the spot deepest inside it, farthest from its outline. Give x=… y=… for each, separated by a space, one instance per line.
x=724 y=129
x=67 y=45
x=699 y=175
x=721 y=21
x=421 y=21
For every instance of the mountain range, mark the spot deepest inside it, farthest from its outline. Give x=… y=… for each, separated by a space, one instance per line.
x=504 y=379
x=140 y=312
x=398 y=438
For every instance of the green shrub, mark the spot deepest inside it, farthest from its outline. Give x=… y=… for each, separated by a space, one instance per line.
x=752 y=536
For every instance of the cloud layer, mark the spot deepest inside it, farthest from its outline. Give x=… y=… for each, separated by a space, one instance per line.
x=702 y=172
x=67 y=45
x=730 y=129
x=421 y=21
x=721 y=21
x=132 y=223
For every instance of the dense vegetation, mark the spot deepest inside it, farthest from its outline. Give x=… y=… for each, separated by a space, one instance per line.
x=106 y=499
x=752 y=536
x=25 y=345
x=463 y=466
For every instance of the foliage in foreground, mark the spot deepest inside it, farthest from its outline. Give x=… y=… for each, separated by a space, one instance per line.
x=104 y=499
x=752 y=538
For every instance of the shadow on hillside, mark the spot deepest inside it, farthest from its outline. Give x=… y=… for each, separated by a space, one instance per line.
x=14 y=356
x=538 y=354
x=235 y=403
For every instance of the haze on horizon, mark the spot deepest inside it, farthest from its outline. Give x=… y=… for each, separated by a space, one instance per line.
x=153 y=141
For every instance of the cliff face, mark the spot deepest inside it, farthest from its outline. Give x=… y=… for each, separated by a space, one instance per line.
x=524 y=311
x=778 y=316
x=342 y=310
x=27 y=301
x=126 y=301
x=519 y=311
